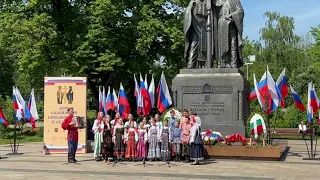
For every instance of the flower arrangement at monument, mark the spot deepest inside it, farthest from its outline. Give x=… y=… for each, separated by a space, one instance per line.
x=211 y=137
x=236 y=138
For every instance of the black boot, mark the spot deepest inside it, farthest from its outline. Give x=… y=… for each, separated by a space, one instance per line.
x=186 y=159
x=176 y=157
x=71 y=157
x=74 y=157
x=179 y=157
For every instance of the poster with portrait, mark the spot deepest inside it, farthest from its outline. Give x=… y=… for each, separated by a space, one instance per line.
x=61 y=93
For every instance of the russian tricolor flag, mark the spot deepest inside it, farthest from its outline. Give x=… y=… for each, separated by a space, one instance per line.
x=297 y=100
x=274 y=93
x=137 y=95
x=164 y=98
x=146 y=103
x=282 y=86
x=262 y=85
x=18 y=108
x=25 y=110
x=33 y=109
x=100 y=99
x=3 y=119
x=103 y=102
x=124 y=106
x=110 y=104
x=309 y=107
x=115 y=99
x=152 y=92
x=258 y=93
x=314 y=100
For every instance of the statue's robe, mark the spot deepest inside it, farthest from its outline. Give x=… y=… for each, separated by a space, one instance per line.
x=223 y=27
x=195 y=34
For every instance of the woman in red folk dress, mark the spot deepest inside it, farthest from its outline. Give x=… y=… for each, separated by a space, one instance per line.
x=131 y=139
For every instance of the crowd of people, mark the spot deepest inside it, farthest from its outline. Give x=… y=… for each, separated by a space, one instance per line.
x=148 y=139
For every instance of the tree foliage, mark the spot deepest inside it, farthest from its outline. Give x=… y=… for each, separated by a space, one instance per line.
x=109 y=41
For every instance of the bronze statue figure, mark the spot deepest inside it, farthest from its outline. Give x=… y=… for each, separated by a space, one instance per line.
x=198 y=34
x=213 y=30
x=229 y=28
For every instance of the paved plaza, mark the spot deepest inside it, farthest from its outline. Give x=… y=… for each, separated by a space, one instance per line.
x=34 y=165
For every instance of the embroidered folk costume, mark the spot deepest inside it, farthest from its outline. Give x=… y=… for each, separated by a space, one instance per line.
x=68 y=124
x=107 y=145
x=164 y=135
x=97 y=129
x=196 y=147
x=142 y=143
x=131 y=139
x=175 y=139
x=186 y=127
x=118 y=136
x=153 y=137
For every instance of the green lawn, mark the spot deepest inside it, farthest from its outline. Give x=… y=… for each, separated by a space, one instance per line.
x=27 y=135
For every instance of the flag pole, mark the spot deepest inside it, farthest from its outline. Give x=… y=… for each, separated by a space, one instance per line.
x=14 y=134
x=303 y=135
x=311 y=139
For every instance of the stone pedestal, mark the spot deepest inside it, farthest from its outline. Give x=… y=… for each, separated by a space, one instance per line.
x=218 y=96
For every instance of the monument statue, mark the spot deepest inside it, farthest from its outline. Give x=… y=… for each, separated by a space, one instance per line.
x=198 y=34
x=213 y=30
x=213 y=85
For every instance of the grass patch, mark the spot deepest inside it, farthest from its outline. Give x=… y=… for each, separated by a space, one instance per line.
x=27 y=135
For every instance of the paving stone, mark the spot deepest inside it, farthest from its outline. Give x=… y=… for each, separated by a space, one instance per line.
x=34 y=165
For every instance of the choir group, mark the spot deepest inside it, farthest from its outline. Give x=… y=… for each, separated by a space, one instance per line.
x=143 y=139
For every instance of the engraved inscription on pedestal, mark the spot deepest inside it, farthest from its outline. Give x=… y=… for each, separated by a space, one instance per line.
x=216 y=95
x=211 y=107
x=210 y=103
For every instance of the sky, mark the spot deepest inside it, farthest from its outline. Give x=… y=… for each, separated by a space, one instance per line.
x=305 y=12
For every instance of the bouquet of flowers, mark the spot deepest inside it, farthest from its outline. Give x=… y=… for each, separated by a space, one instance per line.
x=211 y=137
x=236 y=138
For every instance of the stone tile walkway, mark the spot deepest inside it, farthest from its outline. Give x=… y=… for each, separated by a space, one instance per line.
x=34 y=165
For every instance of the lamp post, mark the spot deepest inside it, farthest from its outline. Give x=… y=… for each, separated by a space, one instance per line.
x=251 y=58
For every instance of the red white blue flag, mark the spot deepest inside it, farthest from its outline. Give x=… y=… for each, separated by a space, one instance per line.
x=164 y=98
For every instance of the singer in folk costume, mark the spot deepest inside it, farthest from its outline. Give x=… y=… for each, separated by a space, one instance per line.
x=97 y=129
x=107 y=145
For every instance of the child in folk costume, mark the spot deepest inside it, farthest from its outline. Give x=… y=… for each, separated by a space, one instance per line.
x=97 y=129
x=158 y=122
x=175 y=139
x=196 y=144
x=107 y=146
x=142 y=142
x=131 y=139
x=118 y=139
x=116 y=119
x=153 y=138
x=164 y=136
x=128 y=123
x=185 y=137
x=145 y=123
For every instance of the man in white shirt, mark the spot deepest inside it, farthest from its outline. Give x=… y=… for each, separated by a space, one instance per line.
x=302 y=129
